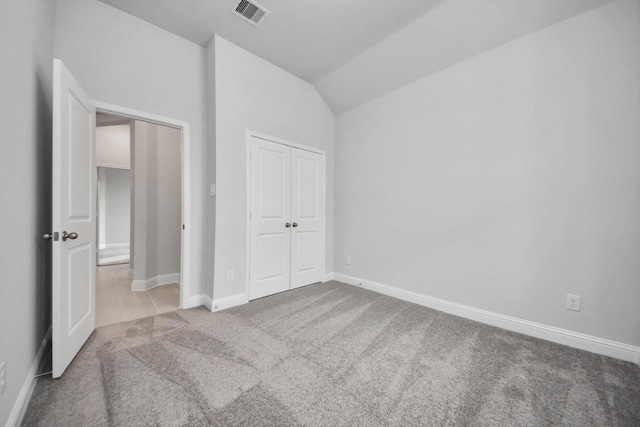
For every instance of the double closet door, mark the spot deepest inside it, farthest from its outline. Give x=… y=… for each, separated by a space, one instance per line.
x=286 y=217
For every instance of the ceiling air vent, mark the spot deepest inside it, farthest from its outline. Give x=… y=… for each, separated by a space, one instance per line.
x=250 y=11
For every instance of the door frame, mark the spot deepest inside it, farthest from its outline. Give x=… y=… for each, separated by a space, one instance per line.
x=185 y=244
x=251 y=134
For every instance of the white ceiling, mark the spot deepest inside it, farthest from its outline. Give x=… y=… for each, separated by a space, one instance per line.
x=451 y=33
x=308 y=38
x=356 y=50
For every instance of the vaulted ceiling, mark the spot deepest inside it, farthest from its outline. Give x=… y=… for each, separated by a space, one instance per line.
x=356 y=50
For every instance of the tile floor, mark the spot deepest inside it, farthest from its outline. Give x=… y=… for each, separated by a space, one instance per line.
x=116 y=302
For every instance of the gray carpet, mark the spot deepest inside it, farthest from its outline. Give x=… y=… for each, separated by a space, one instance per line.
x=331 y=355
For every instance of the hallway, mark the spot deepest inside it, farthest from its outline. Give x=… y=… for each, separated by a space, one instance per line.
x=115 y=302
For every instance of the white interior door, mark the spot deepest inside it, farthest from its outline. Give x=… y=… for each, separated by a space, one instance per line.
x=270 y=218
x=74 y=225
x=286 y=218
x=307 y=215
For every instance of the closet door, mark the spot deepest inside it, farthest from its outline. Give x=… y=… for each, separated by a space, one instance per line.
x=286 y=218
x=270 y=218
x=307 y=217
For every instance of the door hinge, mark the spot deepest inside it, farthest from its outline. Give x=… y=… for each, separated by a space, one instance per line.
x=183 y=226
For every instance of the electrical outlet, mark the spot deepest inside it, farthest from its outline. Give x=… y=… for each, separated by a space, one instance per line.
x=573 y=302
x=3 y=377
x=348 y=260
x=229 y=275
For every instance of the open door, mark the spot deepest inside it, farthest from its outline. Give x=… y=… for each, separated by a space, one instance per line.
x=74 y=224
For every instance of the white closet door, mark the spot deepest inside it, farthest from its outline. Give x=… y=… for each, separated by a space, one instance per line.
x=270 y=213
x=307 y=217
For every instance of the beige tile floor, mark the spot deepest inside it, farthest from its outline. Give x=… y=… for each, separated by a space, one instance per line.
x=116 y=302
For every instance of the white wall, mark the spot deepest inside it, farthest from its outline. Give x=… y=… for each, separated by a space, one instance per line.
x=139 y=199
x=168 y=200
x=507 y=181
x=122 y=60
x=211 y=165
x=253 y=94
x=26 y=49
x=157 y=203
x=112 y=146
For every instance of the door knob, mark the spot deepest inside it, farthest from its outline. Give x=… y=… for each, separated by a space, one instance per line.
x=295 y=224
x=288 y=225
x=72 y=236
x=47 y=236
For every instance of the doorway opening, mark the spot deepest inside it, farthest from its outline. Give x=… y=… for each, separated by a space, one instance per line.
x=74 y=214
x=113 y=198
x=139 y=218
x=113 y=163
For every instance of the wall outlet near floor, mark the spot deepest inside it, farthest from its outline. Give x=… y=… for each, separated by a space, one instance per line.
x=3 y=377
x=229 y=275
x=573 y=302
x=348 y=261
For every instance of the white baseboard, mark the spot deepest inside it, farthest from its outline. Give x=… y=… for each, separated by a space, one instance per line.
x=329 y=276
x=20 y=406
x=198 y=300
x=578 y=340
x=114 y=246
x=228 y=302
x=145 y=285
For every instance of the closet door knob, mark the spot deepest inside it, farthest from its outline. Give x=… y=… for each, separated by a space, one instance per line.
x=288 y=225
x=295 y=224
